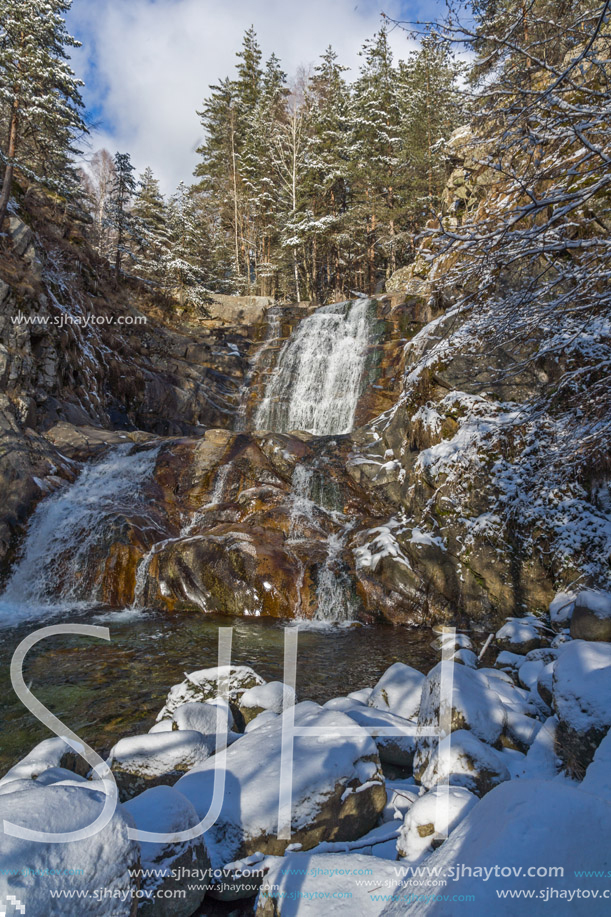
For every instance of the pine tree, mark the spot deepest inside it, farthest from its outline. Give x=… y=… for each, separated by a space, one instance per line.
x=40 y=100
x=432 y=106
x=118 y=214
x=188 y=246
x=150 y=222
x=377 y=144
x=328 y=176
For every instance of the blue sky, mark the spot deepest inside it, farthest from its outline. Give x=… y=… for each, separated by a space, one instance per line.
x=147 y=63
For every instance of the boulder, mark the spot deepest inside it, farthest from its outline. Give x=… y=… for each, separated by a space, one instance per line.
x=337 y=790
x=520 y=635
x=561 y=609
x=164 y=810
x=598 y=775
x=274 y=696
x=203 y=686
x=102 y=861
x=49 y=753
x=398 y=691
x=397 y=749
x=582 y=701
x=471 y=703
x=431 y=819
x=545 y=683
x=461 y=759
x=519 y=824
x=153 y=759
x=591 y=618
x=203 y=718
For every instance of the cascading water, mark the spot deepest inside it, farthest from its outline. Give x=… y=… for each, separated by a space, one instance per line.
x=309 y=500
x=68 y=525
x=317 y=382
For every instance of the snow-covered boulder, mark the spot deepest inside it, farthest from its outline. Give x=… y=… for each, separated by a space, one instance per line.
x=337 y=790
x=545 y=683
x=164 y=810
x=362 y=696
x=455 y=697
x=432 y=817
x=49 y=753
x=598 y=775
x=541 y=760
x=461 y=759
x=520 y=635
x=203 y=686
x=582 y=701
x=528 y=673
x=591 y=618
x=398 y=691
x=509 y=661
x=274 y=696
x=162 y=726
x=153 y=759
x=520 y=824
x=203 y=718
x=465 y=657
x=561 y=608
x=101 y=861
x=520 y=730
x=309 y=885
x=393 y=749
x=400 y=797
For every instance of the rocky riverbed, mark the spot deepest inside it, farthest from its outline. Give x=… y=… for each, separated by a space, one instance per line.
x=463 y=764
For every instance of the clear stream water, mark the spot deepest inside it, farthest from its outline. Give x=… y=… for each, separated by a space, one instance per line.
x=106 y=690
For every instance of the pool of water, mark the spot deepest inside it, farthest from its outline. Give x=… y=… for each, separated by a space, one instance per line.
x=104 y=691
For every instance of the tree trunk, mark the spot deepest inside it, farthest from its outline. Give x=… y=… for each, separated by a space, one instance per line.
x=9 y=170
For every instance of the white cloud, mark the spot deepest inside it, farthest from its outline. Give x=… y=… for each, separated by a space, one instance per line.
x=148 y=63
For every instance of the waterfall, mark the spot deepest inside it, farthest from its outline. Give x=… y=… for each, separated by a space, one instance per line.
x=317 y=382
x=309 y=498
x=70 y=523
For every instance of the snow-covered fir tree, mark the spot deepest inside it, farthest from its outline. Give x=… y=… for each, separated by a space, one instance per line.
x=40 y=101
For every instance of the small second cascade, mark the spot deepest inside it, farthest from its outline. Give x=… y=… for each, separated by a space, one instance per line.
x=318 y=379
x=68 y=524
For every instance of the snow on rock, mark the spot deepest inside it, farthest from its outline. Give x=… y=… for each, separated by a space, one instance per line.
x=518 y=825
x=561 y=608
x=310 y=884
x=582 y=701
x=545 y=683
x=466 y=702
x=466 y=657
x=398 y=691
x=432 y=817
x=101 y=861
x=361 y=696
x=541 y=761
x=203 y=686
x=591 y=619
x=598 y=775
x=461 y=759
x=274 y=696
x=529 y=672
x=144 y=761
x=48 y=753
x=337 y=789
x=507 y=660
x=520 y=730
x=519 y=635
x=202 y=718
x=261 y=720
x=393 y=749
x=164 y=810
x=162 y=726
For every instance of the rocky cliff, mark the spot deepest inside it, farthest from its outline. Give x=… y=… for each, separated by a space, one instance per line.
x=438 y=506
